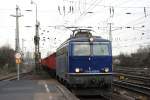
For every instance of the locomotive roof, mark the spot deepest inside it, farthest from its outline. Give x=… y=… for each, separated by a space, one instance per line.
x=83 y=35
x=84 y=39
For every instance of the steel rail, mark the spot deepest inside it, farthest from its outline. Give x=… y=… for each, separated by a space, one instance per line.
x=11 y=76
x=133 y=76
x=140 y=80
x=133 y=87
x=8 y=76
x=134 y=71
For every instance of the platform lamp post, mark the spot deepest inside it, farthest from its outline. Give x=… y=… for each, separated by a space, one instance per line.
x=36 y=41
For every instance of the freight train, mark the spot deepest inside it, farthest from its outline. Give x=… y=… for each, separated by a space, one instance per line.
x=83 y=61
x=49 y=64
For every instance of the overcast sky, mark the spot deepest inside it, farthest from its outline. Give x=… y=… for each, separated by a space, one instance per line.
x=55 y=15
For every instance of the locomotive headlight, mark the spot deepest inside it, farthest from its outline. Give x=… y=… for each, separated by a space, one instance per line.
x=91 y=39
x=77 y=70
x=106 y=69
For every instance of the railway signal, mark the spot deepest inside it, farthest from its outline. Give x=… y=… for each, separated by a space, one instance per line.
x=36 y=39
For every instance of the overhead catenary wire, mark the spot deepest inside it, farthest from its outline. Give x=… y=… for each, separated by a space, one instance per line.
x=86 y=10
x=115 y=5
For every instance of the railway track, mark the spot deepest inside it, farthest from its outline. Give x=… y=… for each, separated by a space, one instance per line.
x=144 y=72
x=140 y=80
x=91 y=98
x=134 y=82
x=92 y=94
x=13 y=76
x=133 y=87
x=133 y=76
x=136 y=87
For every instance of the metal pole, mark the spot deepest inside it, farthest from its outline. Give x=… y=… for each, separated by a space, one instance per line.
x=18 y=71
x=110 y=30
x=17 y=30
x=17 y=39
x=23 y=52
x=23 y=44
x=36 y=14
x=17 y=45
x=36 y=40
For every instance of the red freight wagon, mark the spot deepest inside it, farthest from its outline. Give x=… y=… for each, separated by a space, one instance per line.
x=49 y=63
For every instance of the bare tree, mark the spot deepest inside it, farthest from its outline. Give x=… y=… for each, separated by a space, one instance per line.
x=139 y=59
x=7 y=59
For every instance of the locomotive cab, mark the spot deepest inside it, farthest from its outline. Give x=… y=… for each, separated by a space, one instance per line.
x=88 y=61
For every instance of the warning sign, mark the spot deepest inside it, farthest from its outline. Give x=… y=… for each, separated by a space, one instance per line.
x=18 y=55
x=18 y=61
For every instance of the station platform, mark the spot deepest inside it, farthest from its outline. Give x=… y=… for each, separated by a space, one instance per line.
x=34 y=90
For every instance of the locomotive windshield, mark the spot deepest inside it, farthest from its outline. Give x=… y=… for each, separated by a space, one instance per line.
x=100 y=49
x=81 y=49
x=87 y=49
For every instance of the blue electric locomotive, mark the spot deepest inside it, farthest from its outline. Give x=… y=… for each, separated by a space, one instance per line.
x=85 y=61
